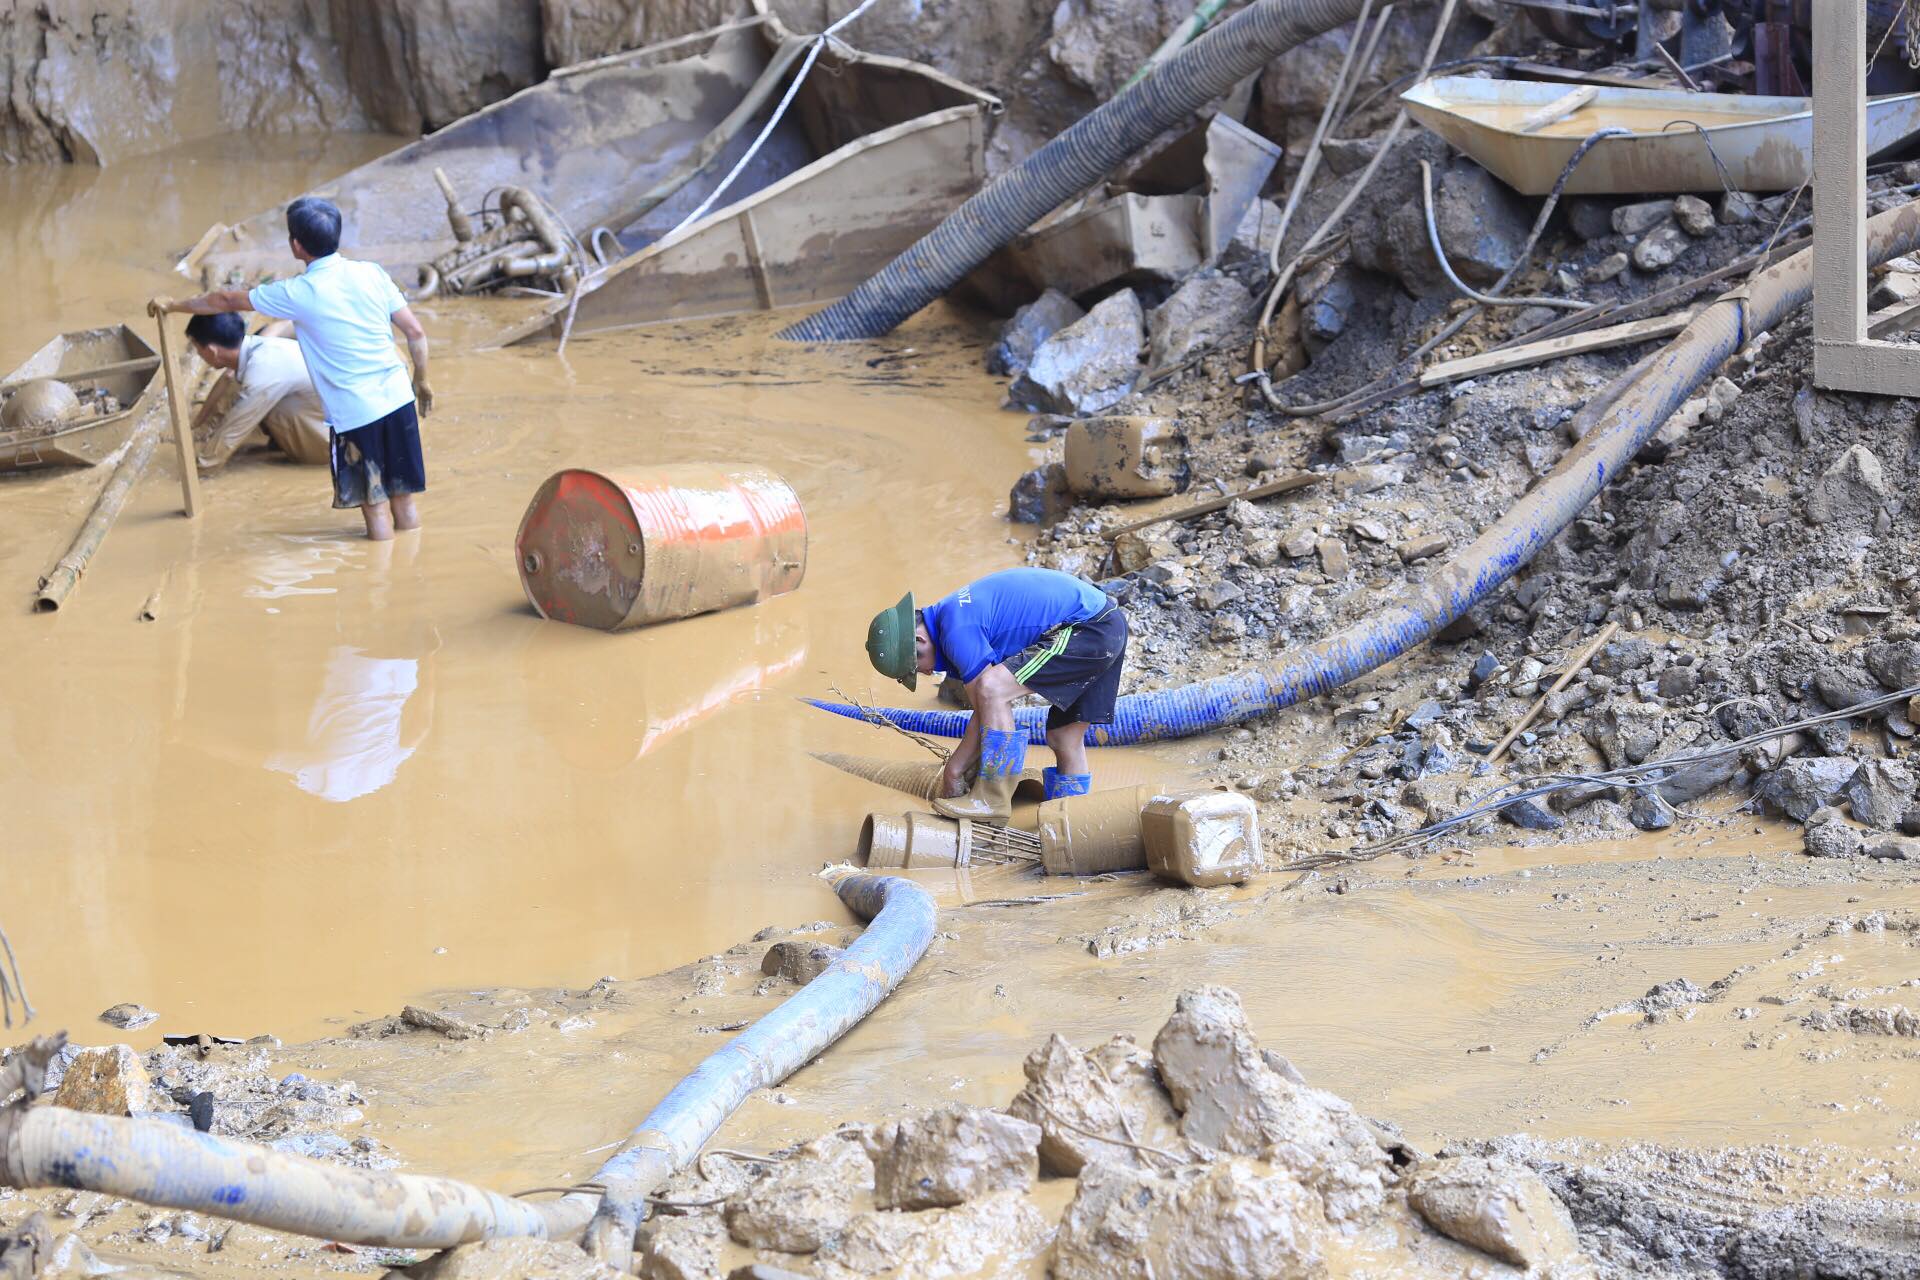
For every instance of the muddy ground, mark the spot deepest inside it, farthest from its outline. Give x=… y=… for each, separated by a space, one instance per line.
x=1688 y=1020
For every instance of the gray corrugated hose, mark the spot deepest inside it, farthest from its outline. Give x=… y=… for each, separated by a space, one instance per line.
x=1086 y=153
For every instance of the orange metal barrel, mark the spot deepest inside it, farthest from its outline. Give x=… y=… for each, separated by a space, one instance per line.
x=613 y=550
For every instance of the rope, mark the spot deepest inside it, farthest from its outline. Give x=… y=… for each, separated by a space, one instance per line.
x=1461 y=321
x=1285 y=278
x=12 y=986
x=813 y=52
x=1446 y=268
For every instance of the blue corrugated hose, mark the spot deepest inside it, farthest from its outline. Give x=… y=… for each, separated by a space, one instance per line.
x=1422 y=608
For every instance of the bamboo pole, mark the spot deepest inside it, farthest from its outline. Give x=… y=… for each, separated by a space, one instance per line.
x=182 y=434
x=1574 y=668
x=65 y=574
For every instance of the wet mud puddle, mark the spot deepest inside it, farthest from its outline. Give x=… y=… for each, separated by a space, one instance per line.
x=334 y=775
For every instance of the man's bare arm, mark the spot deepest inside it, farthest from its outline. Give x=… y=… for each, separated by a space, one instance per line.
x=215 y=303
x=409 y=327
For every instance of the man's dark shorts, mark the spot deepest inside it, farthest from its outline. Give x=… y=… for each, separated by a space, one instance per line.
x=379 y=461
x=1077 y=668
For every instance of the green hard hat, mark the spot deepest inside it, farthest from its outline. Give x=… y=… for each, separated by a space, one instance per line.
x=890 y=643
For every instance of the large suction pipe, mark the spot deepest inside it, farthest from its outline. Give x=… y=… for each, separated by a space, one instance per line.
x=162 y=1164
x=1665 y=381
x=765 y=1053
x=1082 y=156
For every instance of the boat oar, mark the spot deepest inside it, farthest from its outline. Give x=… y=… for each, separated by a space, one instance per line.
x=182 y=434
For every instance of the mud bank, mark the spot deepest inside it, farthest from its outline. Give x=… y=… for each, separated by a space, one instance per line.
x=1650 y=1029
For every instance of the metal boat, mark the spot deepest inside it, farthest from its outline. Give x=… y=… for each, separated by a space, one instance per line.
x=117 y=374
x=1763 y=143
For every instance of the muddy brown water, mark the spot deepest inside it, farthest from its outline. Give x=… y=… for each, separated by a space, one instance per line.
x=1638 y=119
x=334 y=775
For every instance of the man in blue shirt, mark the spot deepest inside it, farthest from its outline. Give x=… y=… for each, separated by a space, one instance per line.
x=1014 y=632
x=344 y=314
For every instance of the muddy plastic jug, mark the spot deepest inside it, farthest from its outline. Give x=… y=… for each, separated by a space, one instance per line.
x=1202 y=838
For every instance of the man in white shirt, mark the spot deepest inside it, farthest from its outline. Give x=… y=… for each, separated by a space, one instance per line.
x=276 y=395
x=344 y=314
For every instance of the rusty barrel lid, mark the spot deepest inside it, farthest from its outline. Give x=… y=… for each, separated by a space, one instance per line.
x=618 y=549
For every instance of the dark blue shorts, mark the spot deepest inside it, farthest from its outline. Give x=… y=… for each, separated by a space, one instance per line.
x=379 y=461
x=1076 y=668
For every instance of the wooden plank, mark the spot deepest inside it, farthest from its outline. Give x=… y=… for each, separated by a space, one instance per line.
x=1893 y=320
x=756 y=260
x=1559 y=109
x=1298 y=481
x=182 y=435
x=1572 y=344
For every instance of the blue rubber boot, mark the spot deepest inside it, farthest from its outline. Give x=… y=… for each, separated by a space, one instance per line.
x=1003 y=756
x=1065 y=784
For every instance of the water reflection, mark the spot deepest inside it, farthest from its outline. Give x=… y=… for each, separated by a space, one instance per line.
x=612 y=715
x=360 y=732
x=289 y=568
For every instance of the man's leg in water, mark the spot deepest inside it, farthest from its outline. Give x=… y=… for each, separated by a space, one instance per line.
x=379 y=517
x=406 y=512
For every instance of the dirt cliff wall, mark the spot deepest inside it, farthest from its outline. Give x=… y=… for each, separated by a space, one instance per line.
x=95 y=81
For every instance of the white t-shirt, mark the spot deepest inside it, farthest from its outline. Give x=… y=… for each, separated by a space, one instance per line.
x=342 y=311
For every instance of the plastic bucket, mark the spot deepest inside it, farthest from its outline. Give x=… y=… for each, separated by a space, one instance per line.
x=613 y=550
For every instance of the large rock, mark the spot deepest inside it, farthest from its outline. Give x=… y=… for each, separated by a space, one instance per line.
x=1098 y=44
x=518 y=1259
x=949 y=1157
x=798 y=960
x=805 y=1202
x=1895 y=664
x=1200 y=313
x=1483 y=225
x=679 y=1247
x=1659 y=249
x=1498 y=1207
x=1040 y=496
x=1089 y=366
x=1855 y=485
x=1800 y=786
x=1031 y=325
x=1626 y=732
x=1639 y=218
x=1829 y=835
x=109 y=1081
x=1295 y=85
x=1002 y=1228
x=1231 y=1219
x=1077 y=1099
x=1879 y=792
x=1231 y=1099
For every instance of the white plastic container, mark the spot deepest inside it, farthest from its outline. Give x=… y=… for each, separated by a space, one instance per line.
x=1202 y=838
